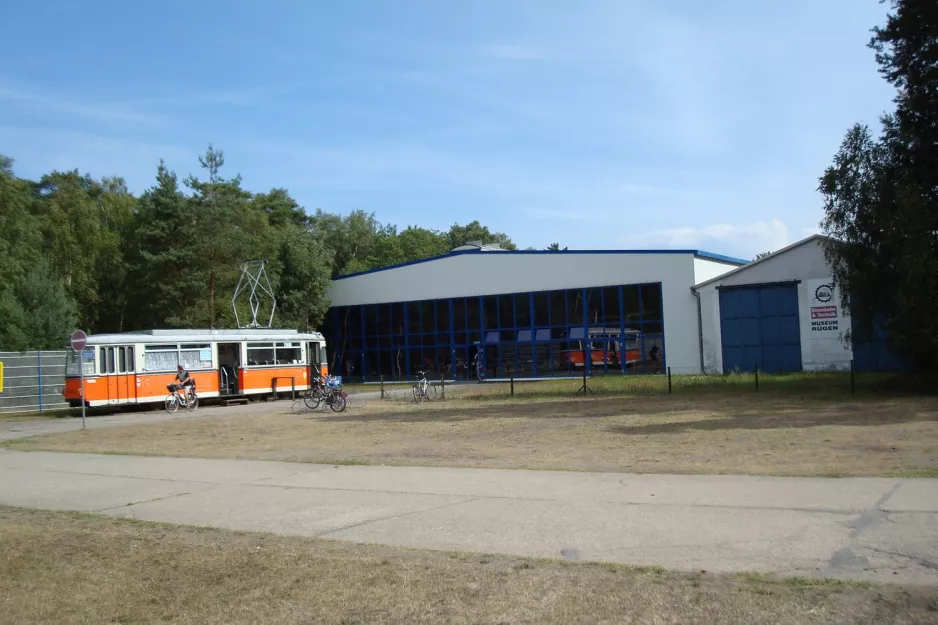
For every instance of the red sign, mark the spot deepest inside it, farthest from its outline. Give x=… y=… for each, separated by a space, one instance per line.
x=823 y=312
x=79 y=340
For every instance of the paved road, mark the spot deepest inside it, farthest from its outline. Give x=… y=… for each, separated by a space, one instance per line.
x=875 y=529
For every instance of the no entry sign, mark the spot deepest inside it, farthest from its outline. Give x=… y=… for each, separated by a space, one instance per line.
x=79 y=340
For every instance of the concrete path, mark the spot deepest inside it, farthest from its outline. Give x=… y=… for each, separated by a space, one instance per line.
x=873 y=529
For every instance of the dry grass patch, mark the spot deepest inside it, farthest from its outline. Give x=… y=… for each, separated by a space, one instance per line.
x=60 y=567
x=751 y=434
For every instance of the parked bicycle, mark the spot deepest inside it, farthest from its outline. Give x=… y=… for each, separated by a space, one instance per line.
x=186 y=398
x=329 y=392
x=423 y=389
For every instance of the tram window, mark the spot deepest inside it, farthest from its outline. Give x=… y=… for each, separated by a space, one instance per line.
x=121 y=360
x=160 y=357
x=260 y=354
x=102 y=358
x=111 y=365
x=196 y=356
x=131 y=363
x=289 y=354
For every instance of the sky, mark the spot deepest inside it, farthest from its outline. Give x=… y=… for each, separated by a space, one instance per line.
x=599 y=124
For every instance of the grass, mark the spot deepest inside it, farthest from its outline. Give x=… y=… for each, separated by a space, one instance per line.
x=757 y=434
x=831 y=384
x=60 y=567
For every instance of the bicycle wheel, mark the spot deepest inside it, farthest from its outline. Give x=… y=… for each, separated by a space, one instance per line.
x=418 y=396
x=431 y=392
x=192 y=402
x=171 y=403
x=338 y=402
x=312 y=399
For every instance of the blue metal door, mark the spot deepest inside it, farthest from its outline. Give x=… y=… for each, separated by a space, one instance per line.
x=760 y=328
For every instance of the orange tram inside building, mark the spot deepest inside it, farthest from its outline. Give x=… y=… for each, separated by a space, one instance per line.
x=136 y=367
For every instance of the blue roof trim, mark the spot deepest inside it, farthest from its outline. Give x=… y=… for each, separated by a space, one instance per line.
x=721 y=258
x=697 y=253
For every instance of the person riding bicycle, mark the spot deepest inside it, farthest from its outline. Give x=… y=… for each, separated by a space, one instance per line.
x=182 y=379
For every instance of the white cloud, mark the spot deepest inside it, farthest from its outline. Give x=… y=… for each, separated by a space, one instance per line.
x=744 y=240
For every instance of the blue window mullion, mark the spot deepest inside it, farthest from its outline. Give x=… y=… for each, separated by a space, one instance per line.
x=664 y=351
x=406 y=339
x=452 y=340
x=623 y=352
x=364 y=355
x=533 y=345
x=641 y=319
x=587 y=346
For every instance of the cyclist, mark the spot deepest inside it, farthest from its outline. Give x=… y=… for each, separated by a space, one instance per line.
x=182 y=380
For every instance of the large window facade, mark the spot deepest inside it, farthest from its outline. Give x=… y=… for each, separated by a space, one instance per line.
x=611 y=330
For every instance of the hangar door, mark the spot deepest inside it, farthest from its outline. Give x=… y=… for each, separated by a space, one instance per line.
x=759 y=327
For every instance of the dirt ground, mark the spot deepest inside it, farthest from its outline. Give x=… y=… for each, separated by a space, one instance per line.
x=810 y=435
x=58 y=567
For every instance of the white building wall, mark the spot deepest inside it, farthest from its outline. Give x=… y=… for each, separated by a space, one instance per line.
x=803 y=262
x=705 y=269
x=490 y=273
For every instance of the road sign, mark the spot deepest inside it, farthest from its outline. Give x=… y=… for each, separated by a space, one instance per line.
x=79 y=340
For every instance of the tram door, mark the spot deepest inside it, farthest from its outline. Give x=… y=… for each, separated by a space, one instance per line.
x=313 y=361
x=229 y=367
x=117 y=368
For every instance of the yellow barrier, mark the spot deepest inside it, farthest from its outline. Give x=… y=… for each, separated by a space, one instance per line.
x=1 y=377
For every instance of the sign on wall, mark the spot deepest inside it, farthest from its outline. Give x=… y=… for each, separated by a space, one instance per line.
x=823 y=325
x=825 y=308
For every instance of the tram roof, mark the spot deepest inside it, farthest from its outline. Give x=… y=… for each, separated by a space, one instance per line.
x=216 y=335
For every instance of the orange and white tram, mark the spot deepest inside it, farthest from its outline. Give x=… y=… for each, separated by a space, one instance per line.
x=136 y=367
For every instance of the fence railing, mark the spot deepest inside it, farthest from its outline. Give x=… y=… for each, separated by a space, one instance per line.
x=32 y=381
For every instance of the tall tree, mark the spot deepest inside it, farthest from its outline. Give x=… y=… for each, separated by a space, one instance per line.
x=117 y=207
x=161 y=251
x=351 y=238
x=474 y=231
x=36 y=312
x=223 y=226
x=303 y=278
x=69 y=207
x=881 y=195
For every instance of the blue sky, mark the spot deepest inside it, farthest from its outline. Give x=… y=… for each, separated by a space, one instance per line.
x=598 y=124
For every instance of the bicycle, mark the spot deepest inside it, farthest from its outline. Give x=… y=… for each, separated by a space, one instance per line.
x=329 y=392
x=422 y=389
x=189 y=399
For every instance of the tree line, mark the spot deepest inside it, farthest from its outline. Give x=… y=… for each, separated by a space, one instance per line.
x=881 y=196
x=79 y=252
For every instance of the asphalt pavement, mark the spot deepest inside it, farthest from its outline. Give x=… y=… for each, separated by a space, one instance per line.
x=876 y=529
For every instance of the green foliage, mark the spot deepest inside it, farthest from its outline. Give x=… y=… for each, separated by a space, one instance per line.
x=76 y=252
x=35 y=311
x=474 y=231
x=881 y=196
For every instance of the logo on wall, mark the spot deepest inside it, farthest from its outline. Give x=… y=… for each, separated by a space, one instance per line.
x=824 y=293
x=825 y=317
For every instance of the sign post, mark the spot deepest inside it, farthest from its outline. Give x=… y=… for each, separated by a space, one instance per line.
x=79 y=340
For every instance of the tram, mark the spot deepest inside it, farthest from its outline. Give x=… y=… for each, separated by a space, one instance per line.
x=606 y=347
x=136 y=367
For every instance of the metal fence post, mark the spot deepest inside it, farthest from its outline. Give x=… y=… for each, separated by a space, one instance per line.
x=442 y=386
x=669 y=380
x=512 y=382
x=853 y=379
x=39 y=365
x=757 y=378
